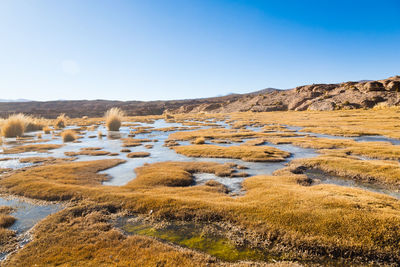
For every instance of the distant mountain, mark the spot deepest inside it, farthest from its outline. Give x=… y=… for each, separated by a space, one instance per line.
x=265 y=91
x=15 y=100
x=347 y=95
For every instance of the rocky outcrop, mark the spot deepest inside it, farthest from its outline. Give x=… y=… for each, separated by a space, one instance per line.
x=347 y=95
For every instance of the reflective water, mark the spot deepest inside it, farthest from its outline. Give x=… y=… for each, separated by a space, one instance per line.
x=327 y=178
x=27 y=215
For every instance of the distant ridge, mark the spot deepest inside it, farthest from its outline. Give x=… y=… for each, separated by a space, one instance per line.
x=346 y=95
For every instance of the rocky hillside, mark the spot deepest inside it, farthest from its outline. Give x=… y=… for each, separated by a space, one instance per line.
x=348 y=95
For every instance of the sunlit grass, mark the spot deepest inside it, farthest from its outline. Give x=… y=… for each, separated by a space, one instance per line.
x=61 y=121
x=68 y=136
x=246 y=153
x=114 y=117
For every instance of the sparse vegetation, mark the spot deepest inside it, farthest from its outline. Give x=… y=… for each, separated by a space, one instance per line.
x=114 y=118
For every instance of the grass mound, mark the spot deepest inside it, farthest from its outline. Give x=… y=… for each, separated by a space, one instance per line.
x=41 y=148
x=138 y=154
x=246 y=153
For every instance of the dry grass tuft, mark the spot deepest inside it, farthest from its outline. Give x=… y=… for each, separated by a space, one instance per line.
x=61 y=121
x=199 y=141
x=14 y=126
x=34 y=124
x=47 y=130
x=114 y=118
x=68 y=136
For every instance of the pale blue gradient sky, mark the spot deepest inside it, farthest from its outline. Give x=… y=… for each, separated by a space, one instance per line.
x=147 y=50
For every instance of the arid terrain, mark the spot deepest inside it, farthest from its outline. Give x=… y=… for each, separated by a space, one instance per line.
x=346 y=95
x=280 y=188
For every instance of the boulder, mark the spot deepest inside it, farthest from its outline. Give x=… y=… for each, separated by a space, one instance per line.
x=373 y=86
x=393 y=86
x=328 y=105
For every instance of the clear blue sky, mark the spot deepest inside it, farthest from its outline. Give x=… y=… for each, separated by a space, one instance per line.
x=145 y=50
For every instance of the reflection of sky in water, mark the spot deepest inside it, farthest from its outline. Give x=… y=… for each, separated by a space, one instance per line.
x=326 y=178
x=27 y=215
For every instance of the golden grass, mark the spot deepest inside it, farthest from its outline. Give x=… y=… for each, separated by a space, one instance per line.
x=46 y=130
x=132 y=142
x=199 y=141
x=175 y=173
x=322 y=219
x=62 y=177
x=37 y=159
x=341 y=122
x=68 y=136
x=87 y=152
x=139 y=154
x=246 y=153
x=114 y=117
x=84 y=236
x=41 y=148
x=33 y=124
x=14 y=126
x=61 y=121
x=212 y=133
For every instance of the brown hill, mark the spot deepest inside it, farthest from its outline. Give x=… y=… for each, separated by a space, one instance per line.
x=348 y=95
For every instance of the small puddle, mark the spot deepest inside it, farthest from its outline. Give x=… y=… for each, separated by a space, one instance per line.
x=327 y=178
x=376 y=138
x=26 y=215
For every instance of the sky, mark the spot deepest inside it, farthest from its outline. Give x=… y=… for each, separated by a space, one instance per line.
x=179 y=49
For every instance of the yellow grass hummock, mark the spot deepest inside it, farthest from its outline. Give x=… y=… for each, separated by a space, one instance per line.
x=246 y=153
